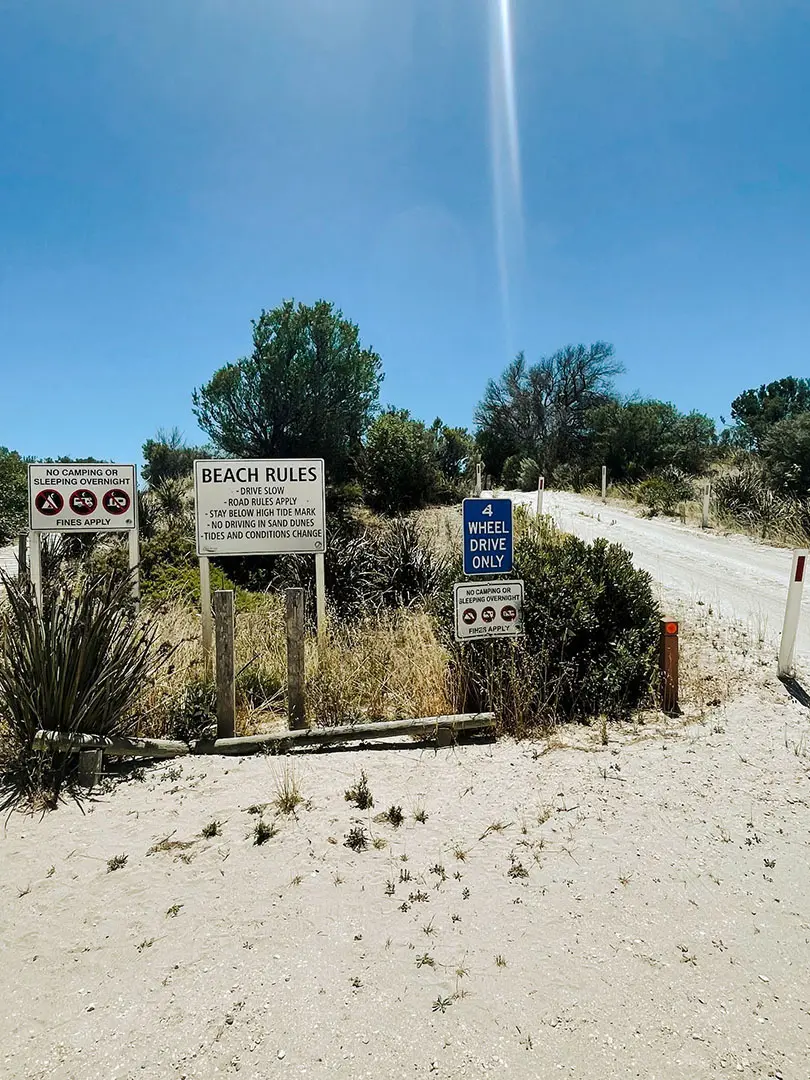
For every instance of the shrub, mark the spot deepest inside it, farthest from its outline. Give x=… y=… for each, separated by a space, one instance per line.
x=192 y=713
x=76 y=666
x=408 y=569
x=570 y=476
x=400 y=464
x=529 y=475
x=591 y=630
x=661 y=494
x=510 y=474
x=747 y=499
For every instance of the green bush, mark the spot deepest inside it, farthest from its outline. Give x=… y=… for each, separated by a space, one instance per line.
x=510 y=474
x=529 y=475
x=570 y=476
x=76 y=666
x=661 y=494
x=192 y=713
x=591 y=632
x=401 y=469
x=746 y=497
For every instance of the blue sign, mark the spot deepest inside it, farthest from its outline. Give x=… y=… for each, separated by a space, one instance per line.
x=487 y=536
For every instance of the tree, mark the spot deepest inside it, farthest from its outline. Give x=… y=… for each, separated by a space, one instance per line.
x=786 y=454
x=757 y=411
x=636 y=438
x=539 y=411
x=401 y=470
x=167 y=457
x=13 y=494
x=308 y=389
x=455 y=454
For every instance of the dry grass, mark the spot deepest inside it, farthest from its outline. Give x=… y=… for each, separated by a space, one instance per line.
x=383 y=668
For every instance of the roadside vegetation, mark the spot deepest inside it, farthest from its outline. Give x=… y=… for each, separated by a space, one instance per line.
x=93 y=663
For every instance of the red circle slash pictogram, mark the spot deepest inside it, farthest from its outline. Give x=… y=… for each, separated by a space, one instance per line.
x=468 y=616
x=48 y=502
x=488 y=614
x=508 y=613
x=116 y=501
x=83 y=502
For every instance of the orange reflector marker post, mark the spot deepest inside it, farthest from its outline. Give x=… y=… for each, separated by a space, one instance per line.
x=669 y=667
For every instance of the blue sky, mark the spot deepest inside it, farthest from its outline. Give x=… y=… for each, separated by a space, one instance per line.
x=170 y=167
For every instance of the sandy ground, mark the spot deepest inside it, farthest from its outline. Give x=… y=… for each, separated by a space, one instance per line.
x=8 y=560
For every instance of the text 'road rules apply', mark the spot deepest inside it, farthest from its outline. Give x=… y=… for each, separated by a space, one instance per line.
x=487 y=535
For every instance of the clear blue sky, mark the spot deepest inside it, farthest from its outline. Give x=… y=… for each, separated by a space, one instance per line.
x=170 y=167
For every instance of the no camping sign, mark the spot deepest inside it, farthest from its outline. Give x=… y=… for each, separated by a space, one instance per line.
x=82 y=498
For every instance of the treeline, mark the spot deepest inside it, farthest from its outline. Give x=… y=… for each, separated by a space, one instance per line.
x=309 y=387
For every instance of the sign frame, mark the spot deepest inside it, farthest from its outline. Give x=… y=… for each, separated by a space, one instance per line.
x=474 y=512
x=497 y=628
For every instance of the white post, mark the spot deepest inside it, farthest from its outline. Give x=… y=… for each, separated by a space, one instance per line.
x=478 y=478
x=604 y=483
x=541 y=485
x=205 y=609
x=134 y=564
x=707 y=491
x=793 y=609
x=320 y=596
x=35 y=556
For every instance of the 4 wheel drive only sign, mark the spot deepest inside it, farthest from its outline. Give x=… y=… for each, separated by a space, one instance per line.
x=487 y=532
x=260 y=507
x=82 y=498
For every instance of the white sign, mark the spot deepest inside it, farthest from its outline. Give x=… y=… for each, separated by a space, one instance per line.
x=489 y=609
x=260 y=507
x=82 y=498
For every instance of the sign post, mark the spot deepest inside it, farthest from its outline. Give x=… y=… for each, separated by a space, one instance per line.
x=77 y=498
x=488 y=536
x=787 y=646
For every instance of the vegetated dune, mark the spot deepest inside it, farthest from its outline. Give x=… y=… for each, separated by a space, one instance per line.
x=545 y=908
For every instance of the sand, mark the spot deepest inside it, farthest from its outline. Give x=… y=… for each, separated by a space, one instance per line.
x=635 y=910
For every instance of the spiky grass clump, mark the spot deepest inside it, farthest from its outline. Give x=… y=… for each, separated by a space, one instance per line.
x=77 y=665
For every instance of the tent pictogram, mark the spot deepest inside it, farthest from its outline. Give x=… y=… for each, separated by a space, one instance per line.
x=48 y=502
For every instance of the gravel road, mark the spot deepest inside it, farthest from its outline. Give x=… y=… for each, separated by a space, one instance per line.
x=738 y=578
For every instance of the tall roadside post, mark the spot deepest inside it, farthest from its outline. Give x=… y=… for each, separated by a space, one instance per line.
x=22 y=556
x=669 y=667
x=224 y=622
x=793 y=608
x=541 y=487
x=296 y=714
x=205 y=613
x=478 y=479
x=604 y=483
x=707 y=494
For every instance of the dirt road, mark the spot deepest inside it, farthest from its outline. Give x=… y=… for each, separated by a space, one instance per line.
x=8 y=560
x=737 y=577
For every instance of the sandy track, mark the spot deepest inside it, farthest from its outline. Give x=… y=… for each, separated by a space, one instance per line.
x=739 y=578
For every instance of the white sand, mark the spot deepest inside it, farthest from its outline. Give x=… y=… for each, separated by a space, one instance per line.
x=650 y=938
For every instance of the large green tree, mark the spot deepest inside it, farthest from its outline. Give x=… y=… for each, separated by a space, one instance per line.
x=786 y=454
x=401 y=470
x=539 y=410
x=13 y=494
x=167 y=457
x=756 y=411
x=636 y=438
x=307 y=389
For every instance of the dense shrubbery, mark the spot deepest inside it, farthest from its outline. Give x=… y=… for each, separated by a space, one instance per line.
x=78 y=665
x=661 y=494
x=591 y=634
x=745 y=498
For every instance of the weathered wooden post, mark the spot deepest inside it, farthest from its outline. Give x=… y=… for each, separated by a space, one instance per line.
x=22 y=556
x=295 y=658
x=479 y=468
x=707 y=494
x=320 y=599
x=541 y=487
x=669 y=667
x=604 y=483
x=226 y=680
x=89 y=769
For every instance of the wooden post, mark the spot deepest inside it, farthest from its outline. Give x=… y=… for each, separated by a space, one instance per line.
x=541 y=487
x=22 y=556
x=320 y=597
x=134 y=564
x=90 y=764
x=707 y=491
x=295 y=658
x=35 y=551
x=793 y=608
x=205 y=608
x=604 y=483
x=669 y=667
x=478 y=479
x=226 y=680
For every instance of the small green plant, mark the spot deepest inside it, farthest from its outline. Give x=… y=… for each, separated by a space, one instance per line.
x=439 y=871
x=441 y=1004
x=425 y=960
x=356 y=839
x=288 y=796
x=263 y=831
x=116 y=862
x=146 y=944
x=211 y=829
x=500 y=961
x=394 y=816
x=390 y=888
x=419 y=897
x=517 y=869
x=460 y=853
x=420 y=815
x=404 y=875
x=51 y=871
x=465 y=894
x=174 y=911
x=495 y=827
x=360 y=794
x=257 y=808
x=455 y=918
x=429 y=928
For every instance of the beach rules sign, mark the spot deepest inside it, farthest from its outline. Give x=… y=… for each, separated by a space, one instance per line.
x=487 y=534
